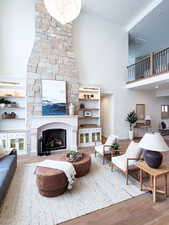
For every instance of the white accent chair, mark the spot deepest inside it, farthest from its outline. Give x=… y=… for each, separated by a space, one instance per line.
x=127 y=161
x=105 y=150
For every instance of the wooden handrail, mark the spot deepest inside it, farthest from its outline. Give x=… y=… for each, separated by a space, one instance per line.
x=141 y=60
x=154 y=64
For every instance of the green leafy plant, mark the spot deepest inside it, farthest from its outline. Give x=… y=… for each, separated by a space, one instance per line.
x=4 y=101
x=116 y=146
x=72 y=153
x=131 y=118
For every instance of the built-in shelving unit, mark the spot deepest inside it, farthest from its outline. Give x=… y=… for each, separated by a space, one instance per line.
x=13 y=114
x=89 y=117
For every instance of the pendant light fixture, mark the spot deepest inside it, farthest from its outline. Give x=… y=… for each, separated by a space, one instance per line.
x=64 y=11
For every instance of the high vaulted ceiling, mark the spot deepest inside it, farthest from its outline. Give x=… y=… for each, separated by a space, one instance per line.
x=152 y=33
x=121 y=12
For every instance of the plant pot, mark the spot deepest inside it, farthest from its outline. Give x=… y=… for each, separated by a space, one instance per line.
x=131 y=134
x=2 y=105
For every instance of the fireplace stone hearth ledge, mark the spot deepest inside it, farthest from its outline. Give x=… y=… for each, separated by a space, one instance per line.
x=40 y=123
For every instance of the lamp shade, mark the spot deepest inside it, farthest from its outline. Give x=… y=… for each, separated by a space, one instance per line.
x=153 y=142
x=64 y=11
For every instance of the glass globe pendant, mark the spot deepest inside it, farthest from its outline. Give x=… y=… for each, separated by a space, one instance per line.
x=64 y=11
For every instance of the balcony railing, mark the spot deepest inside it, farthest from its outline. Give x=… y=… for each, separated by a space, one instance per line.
x=153 y=65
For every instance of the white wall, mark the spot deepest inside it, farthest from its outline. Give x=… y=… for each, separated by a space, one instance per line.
x=102 y=51
x=17 y=19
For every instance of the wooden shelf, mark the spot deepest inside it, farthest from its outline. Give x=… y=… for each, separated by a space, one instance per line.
x=6 y=108
x=13 y=131
x=88 y=126
x=88 y=100
x=14 y=119
x=12 y=96
x=88 y=118
x=88 y=109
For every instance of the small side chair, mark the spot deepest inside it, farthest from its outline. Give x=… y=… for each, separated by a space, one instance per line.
x=105 y=150
x=127 y=161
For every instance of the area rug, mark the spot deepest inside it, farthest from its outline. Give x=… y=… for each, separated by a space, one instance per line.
x=101 y=188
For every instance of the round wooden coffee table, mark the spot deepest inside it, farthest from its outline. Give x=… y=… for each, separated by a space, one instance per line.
x=53 y=182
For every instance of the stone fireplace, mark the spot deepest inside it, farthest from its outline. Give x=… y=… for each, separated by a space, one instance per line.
x=52 y=58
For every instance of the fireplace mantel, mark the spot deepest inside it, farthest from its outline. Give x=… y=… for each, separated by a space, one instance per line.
x=41 y=123
x=38 y=121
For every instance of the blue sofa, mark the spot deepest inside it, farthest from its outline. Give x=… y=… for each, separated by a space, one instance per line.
x=8 y=166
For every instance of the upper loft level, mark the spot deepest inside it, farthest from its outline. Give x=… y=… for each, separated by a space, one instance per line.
x=149 y=69
x=149 y=50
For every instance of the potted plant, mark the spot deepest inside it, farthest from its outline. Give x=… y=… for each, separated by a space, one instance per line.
x=74 y=156
x=116 y=146
x=131 y=119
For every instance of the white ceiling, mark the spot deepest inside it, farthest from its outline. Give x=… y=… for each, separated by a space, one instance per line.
x=151 y=33
x=121 y=12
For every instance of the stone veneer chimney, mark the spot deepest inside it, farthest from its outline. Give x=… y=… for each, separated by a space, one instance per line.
x=52 y=58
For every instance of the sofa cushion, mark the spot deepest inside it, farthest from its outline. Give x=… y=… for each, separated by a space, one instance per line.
x=3 y=176
x=7 y=162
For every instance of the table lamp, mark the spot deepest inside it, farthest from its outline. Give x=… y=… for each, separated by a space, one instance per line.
x=154 y=144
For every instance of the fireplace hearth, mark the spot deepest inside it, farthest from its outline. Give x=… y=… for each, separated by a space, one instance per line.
x=52 y=140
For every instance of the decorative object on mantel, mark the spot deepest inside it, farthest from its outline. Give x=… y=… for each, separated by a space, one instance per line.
x=131 y=119
x=64 y=11
x=74 y=156
x=154 y=144
x=71 y=109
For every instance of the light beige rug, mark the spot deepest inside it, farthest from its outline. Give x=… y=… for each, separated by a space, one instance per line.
x=23 y=204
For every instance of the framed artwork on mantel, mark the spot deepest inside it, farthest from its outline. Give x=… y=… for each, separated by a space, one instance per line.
x=53 y=97
x=140 y=111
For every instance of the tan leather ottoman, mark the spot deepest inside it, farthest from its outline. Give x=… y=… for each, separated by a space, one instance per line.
x=51 y=182
x=82 y=167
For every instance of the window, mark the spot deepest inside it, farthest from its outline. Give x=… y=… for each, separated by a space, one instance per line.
x=165 y=112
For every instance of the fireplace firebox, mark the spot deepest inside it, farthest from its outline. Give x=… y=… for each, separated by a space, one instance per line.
x=52 y=140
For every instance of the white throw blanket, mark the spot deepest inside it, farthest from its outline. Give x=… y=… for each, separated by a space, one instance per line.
x=67 y=167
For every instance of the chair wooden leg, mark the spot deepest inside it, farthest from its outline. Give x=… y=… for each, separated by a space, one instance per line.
x=126 y=173
x=95 y=153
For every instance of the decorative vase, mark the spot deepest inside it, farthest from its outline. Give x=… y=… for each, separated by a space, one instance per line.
x=2 y=105
x=71 y=109
x=131 y=135
x=153 y=159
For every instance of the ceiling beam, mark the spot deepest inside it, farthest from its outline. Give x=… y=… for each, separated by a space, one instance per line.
x=142 y=14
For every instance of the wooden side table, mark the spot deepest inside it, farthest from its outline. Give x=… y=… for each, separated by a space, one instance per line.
x=154 y=174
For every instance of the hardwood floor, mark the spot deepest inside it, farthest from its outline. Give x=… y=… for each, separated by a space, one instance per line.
x=136 y=211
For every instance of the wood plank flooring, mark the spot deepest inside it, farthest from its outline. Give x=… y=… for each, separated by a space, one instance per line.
x=136 y=211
